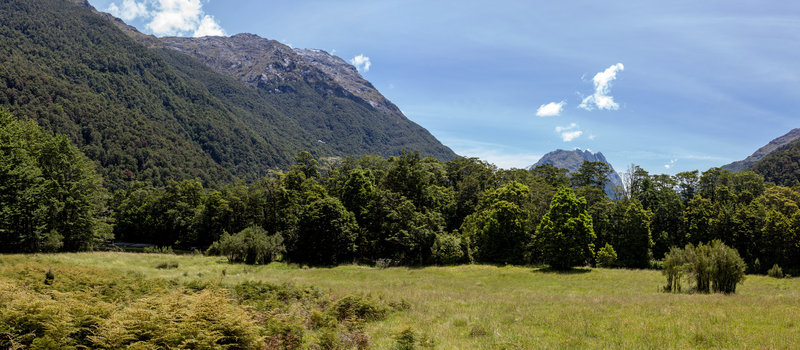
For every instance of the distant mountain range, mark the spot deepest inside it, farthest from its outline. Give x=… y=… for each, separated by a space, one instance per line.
x=572 y=161
x=217 y=109
x=762 y=152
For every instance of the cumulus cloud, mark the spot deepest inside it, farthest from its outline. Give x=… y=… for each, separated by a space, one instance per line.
x=174 y=17
x=169 y=17
x=569 y=133
x=671 y=162
x=208 y=27
x=361 y=63
x=601 y=99
x=129 y=10
x=551 y=109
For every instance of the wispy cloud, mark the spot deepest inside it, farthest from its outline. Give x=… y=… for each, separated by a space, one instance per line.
x=362 y=63
x=169 y=17
x=551 y=109
x=671 y=162
x=569 y=133
x=601 y=99
x=501 y=155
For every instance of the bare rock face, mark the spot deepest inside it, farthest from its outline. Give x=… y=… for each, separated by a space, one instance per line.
x=348 y=77
x=762 y=152
x=572 y=161
x=269 y=64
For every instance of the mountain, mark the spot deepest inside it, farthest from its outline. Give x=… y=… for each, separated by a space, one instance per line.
x=325 y=94
x=572 y=161
x=145 y=111
x=762 y=152
x=781 y=166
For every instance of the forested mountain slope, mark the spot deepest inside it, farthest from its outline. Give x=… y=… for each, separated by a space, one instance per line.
x=782 y=166
x=153 y=114
x=762 y=152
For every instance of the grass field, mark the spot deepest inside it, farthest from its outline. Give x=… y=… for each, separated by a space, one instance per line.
x=489 y=307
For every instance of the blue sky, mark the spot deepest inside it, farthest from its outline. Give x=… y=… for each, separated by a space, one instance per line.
x=667 y=85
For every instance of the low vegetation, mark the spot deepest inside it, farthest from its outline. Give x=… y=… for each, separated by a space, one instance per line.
x=121 y=298
x=46 y=303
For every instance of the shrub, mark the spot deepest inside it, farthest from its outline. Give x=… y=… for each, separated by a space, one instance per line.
x=357 y=309
x=158 y=250
x=712 y=266
x=606 y=256
x=251 y=246
x=775 y=272
x=446 y=249
x=166 y=265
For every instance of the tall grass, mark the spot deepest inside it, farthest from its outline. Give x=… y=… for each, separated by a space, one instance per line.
x=466 y=307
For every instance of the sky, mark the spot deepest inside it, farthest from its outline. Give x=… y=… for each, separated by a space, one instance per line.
x=669 y=86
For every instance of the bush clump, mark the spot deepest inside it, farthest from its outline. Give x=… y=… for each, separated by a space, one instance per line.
x=713 y=267
x=250 y=246
x=606 y=256
x=447 y=250
x=775 y=272
x=167 y=265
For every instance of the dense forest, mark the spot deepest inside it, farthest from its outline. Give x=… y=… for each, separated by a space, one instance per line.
x=154 y=114
x=407 y=209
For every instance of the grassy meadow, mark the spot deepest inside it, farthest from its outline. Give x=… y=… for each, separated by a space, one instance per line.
x=459 y=307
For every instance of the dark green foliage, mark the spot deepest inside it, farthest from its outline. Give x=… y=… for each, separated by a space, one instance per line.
x=781 y=167
x=357 y=309
x=565 y=234
x=250 y=246
x=632 y=235
x=606 y=256
x=775 y=272
x=156 y=115
x=326 y=233
x=712 y=266
x=448 y=249
x=51 y=198
x=501 y=227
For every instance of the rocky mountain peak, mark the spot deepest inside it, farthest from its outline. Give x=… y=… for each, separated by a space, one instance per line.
x=572 y=161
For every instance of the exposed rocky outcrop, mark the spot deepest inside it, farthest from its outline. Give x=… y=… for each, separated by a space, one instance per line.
x=572 y=161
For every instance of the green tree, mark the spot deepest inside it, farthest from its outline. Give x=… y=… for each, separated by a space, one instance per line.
x=326 y=233
x=632 y=238
x=500 y=230
x=50 y=195
x=565 y=235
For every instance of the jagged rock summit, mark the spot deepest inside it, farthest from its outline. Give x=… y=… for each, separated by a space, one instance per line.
x=572 y=161
x=762 y=152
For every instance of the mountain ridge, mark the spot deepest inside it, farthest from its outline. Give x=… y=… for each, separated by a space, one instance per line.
x=143 y=111
x=572 y=161
x=765 y=150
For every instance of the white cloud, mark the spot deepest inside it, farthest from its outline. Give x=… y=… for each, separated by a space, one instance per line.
x=551 y=109
x=208 y=27
x=129 y=11
x=361 y=62
x=602 y=87
x=569 y=133
x=671 y=162
x=174 y=17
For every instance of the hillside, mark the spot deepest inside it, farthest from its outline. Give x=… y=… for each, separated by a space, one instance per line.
x=762 y=152
x=148 y=113
x=572 y=161
x=782 y=166
x=322 y=92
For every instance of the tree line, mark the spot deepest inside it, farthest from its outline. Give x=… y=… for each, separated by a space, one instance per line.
x=406 y=210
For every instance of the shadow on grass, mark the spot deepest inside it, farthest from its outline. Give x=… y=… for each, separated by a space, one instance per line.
x=575 y=271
